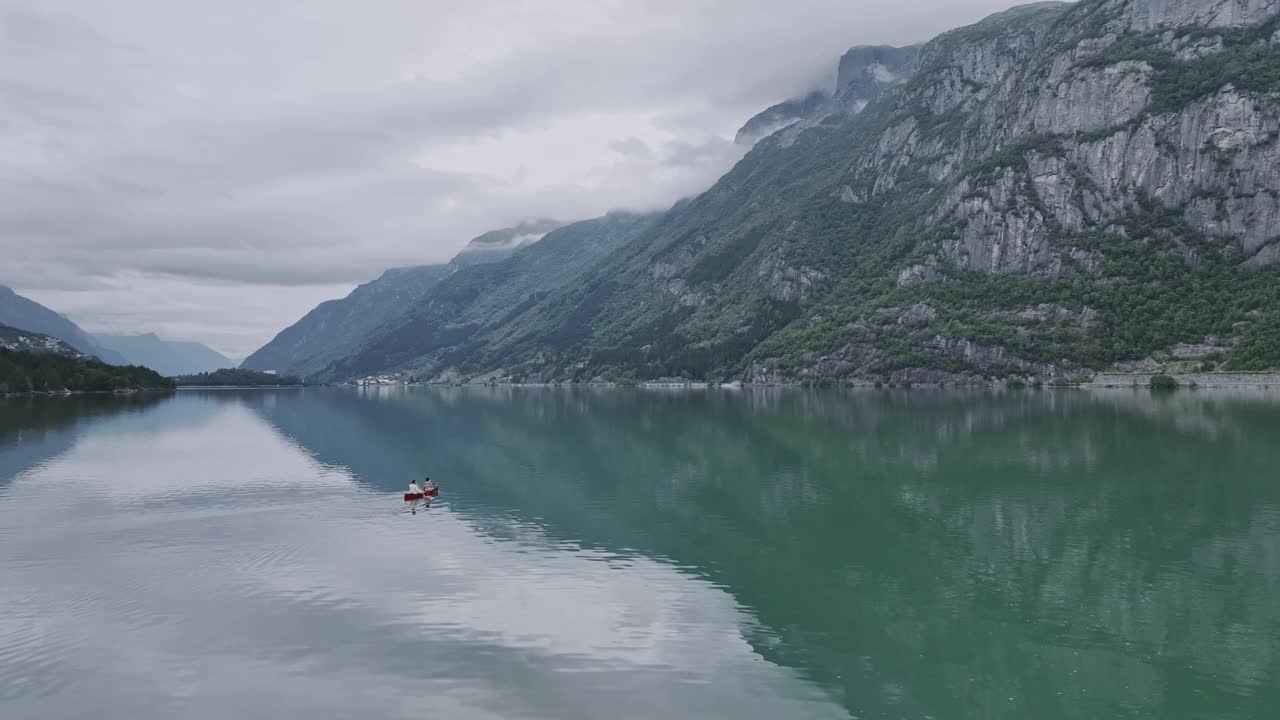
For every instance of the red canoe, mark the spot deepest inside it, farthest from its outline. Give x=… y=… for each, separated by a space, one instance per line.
x=418 y=496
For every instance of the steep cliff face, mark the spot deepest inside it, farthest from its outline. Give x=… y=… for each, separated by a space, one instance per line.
x=1117 y=160
x=868 y=70
x=1092 y=126
x=1058 y=189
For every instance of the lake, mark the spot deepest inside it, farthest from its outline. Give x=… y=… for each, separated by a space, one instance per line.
x=629 y=553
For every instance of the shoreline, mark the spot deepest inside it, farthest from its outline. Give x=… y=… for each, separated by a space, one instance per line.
x=1101 y=381
x=245 y=387
x=73 y=393
x=1104 y=380
x=1187 y=381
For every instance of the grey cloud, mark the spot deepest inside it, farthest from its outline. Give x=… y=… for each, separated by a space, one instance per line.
x=275 y=151
x=631 y=147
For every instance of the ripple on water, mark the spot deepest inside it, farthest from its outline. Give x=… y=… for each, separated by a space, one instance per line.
x=34 y=661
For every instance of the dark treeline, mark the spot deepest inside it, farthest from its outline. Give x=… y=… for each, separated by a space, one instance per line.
x=25 y=372
x=237 y=377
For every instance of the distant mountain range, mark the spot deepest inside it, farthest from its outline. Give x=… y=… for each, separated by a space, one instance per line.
x=1059 y=189
x=19 y=312
x=170 y=358
x=166 y=357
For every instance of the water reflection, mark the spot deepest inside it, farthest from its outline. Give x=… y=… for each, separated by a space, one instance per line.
x=757 y=554
x=1055 y=554
x=209 y=565
x=34 y=429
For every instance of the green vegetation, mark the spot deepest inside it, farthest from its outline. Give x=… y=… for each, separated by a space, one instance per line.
x=26 y=372
x=451 y=323
x=1163 y=382
x=1144 y=297
x=237 y=377
x=1260 y=347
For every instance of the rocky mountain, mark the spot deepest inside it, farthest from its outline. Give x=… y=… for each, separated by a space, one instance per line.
x=863 y=73
x=19 y=312
x=167 y=357
x=12 y=338
x=1058 y=189
x=337 y=328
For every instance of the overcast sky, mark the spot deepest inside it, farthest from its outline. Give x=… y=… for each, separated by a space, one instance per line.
x=212 y=169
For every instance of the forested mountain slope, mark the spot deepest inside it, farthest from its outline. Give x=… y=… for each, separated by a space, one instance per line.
x=483 y=303
x=337 y=328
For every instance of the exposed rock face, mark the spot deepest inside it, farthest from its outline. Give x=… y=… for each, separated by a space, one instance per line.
x=917 y=273
x=918 y=314
x=789 y=284
x=867 y=70
x=1055 y=139
x=994 y=358
x=1147 y=15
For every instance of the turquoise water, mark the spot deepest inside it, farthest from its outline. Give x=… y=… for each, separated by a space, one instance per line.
x=641 y=554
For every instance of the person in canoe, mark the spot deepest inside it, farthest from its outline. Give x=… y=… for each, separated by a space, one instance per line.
x=427 y=485
x=413 y=488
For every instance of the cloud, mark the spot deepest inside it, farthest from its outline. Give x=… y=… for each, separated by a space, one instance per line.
x=244 y=154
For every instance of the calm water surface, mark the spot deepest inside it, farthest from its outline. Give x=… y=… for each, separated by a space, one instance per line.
x=641 y=554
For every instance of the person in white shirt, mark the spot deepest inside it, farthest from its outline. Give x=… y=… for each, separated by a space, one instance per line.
x=413 y=488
